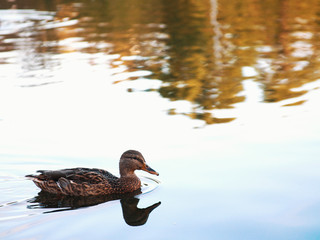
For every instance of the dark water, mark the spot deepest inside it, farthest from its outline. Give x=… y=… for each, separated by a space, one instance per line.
x=221 y=97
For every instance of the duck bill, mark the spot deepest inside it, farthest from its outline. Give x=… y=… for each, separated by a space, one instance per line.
x=150 y=170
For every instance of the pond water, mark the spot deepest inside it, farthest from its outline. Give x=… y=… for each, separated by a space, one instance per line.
x=221 y=97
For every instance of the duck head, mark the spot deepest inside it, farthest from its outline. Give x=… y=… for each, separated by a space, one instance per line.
x=132 y=160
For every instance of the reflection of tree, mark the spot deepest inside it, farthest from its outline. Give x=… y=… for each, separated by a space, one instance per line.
x=175 y=43
x=24 y=34
x=296 y=59
x=43 y=5
x=279 y=39
x=196 y=75
x=197 y=49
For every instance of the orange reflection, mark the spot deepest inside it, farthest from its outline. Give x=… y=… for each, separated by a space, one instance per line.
x=197 y=49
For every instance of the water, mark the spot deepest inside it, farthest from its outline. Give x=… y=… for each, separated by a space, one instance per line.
x=221 y=97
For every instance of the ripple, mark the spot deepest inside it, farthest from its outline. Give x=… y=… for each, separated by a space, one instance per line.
x=148 y=184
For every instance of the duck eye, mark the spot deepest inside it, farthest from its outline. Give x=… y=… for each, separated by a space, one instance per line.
x=138 y=159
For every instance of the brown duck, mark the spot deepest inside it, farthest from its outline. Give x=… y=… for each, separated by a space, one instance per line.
x=93 y=181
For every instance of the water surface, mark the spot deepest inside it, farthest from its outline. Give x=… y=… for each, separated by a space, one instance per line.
x=221 y=97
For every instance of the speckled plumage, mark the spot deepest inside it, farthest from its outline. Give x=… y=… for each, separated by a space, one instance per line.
x=93 y=181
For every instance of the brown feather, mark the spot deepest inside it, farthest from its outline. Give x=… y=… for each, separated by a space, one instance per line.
x=93 y=181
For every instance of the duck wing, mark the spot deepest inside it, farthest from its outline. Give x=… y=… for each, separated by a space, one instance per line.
x=53 y=174
x=103 y=173
x=90 y=175
x=76 y=181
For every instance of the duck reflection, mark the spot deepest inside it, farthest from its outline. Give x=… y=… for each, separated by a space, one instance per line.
x=132 y=215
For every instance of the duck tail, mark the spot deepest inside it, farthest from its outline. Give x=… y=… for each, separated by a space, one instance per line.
x=31 y=176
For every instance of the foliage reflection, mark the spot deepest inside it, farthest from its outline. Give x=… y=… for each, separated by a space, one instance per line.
x=198 y=50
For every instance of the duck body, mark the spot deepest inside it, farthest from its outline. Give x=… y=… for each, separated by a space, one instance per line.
x=94 y=181
x=84 y=182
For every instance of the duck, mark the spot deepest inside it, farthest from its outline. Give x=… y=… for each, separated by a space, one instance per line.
x=94 y=181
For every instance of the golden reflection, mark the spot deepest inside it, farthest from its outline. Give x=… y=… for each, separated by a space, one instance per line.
x=197 y=49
